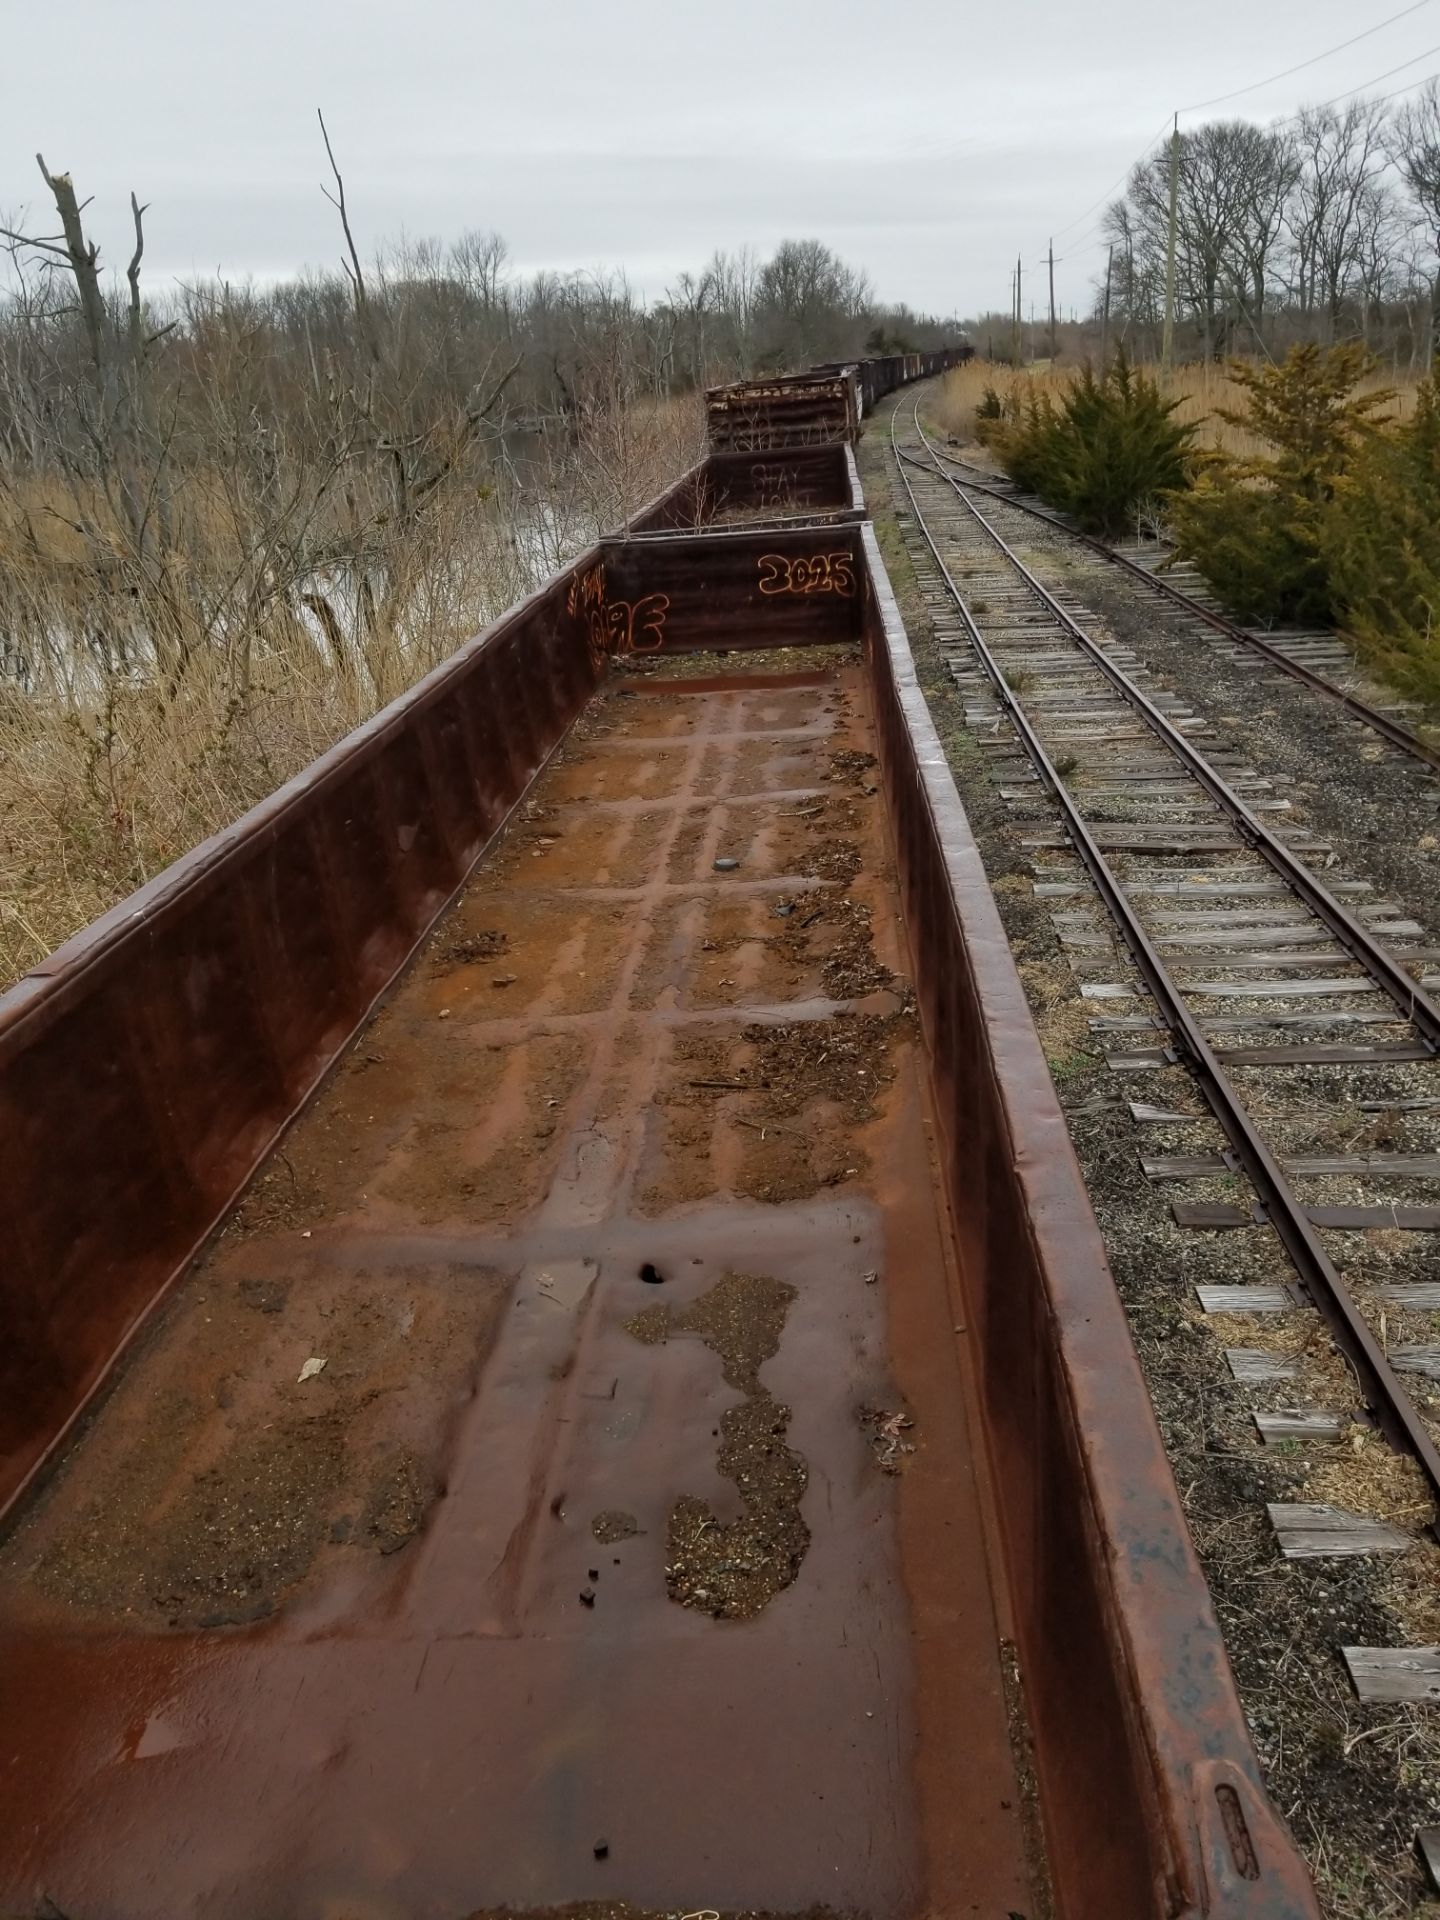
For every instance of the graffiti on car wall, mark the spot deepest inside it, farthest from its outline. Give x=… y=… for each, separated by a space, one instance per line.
x=615 y=628
x=808 y=573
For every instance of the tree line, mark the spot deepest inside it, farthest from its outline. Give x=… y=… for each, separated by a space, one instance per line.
x=213 y=464
x=1323 y=226
x=235 y=520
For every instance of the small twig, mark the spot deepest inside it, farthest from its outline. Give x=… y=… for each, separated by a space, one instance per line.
x=27 y=240
x=768 y=1126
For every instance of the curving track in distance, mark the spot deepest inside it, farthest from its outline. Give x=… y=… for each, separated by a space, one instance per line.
x=1270 y=937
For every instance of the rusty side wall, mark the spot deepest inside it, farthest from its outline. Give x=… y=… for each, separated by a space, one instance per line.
x=150 y=1063
x=790 y=480
x=822 y=405
x=1141 y=1748
x=876 y=377
x=772 y=587
x=793 y=411
x=682 y=504
x=811 y=480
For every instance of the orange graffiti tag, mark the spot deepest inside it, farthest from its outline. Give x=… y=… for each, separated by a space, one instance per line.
x=616 y=628
x=808 y=573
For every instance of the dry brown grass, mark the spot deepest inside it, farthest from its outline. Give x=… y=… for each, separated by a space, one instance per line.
x=1201 y=390
x=1365 y=1475
x=108 y=772
x=107 y=776
x=961 y=390
x=1324 y=1380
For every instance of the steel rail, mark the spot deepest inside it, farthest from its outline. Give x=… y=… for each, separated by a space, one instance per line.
x=1395 y=731
x=1390 y=1405
x=1391 y=977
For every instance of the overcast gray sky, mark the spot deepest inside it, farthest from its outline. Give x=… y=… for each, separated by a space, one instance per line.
x=925 y=140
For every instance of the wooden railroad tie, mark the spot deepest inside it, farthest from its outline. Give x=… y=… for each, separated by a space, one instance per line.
x=1307 y=1531
x=1393 y=1676
x=1190 y=1213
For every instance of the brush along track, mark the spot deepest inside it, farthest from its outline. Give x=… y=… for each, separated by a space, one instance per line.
x=1300 y=653
x=1301 y=980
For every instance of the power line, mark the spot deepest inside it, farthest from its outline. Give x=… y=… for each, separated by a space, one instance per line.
x=1314 y=60
x=1285 y=121
x=1316 y=106
x=1120 y=182
x=1426 y=55
x=1423 y=81
x=1095 y=237
x=1155 y=138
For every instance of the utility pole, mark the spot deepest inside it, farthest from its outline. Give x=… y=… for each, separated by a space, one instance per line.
x=1168 y=344
x=1105 y=314
x=1052 y=300
x=1018 y=310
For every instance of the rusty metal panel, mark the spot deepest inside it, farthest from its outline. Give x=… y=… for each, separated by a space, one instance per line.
x=810 y=480
x=148 y=1065
x=1152 y=1796
x=790 y=480
x=793 y=410
x=769 y=588
x=824 y=404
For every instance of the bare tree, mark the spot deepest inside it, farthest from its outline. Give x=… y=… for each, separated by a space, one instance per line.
x=734 y=279
x=808 y=299
x=1138 y=275
x=1313 y=228
x=1265 y=168
x=690 y=304
x=96 y=389
x=1414 y=145
x=478 y=260
x=1220 y=194
x=1338 y=195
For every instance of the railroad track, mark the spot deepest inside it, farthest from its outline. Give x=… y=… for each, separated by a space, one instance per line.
x=1306 y=656
x=1246 y=965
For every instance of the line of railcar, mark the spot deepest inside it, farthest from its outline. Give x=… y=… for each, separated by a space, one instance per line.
x=661 y=1429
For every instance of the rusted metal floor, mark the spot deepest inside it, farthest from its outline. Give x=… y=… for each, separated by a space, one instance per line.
x=557 y=1583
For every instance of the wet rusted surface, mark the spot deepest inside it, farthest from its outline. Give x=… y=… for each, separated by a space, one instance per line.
x=156 y=1057
x=429 y=1631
